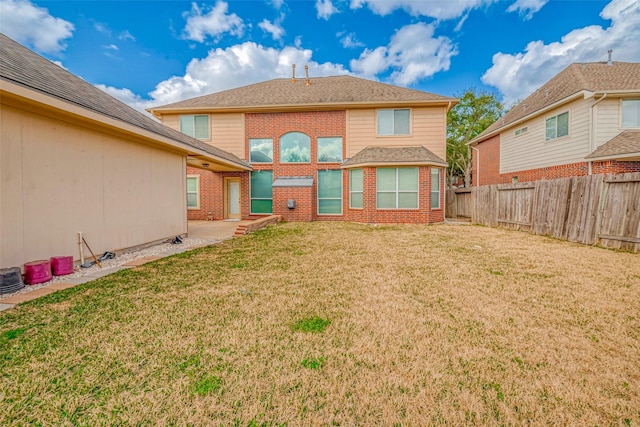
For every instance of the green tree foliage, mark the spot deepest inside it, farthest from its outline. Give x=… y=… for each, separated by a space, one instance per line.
x=475 y=112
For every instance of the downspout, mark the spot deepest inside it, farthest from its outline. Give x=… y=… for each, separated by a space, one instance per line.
x=593 y=129
x=478 y=170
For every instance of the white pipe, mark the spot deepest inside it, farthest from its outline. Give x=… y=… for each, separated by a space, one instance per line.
x=478 y=171
x=81 y=251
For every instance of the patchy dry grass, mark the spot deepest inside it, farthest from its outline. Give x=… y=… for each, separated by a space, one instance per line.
x=337 y=324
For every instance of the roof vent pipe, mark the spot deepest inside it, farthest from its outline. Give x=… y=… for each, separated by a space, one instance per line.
x=293 y=73
x=306 y=69
x=609 y=61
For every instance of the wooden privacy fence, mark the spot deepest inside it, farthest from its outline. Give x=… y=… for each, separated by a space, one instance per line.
x=458 y=203
x=594 y=209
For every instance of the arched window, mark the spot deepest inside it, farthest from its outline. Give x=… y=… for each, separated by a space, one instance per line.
x=295 y=147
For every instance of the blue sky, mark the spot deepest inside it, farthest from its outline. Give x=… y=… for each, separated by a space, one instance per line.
x=150 y=53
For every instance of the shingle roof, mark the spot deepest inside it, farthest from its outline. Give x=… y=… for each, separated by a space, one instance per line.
x=623 y=146
x=393 y=156
x=593 y=77
x=293 y=181
x=327 y=91
x=26 y=68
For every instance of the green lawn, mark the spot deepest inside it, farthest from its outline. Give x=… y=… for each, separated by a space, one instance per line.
x=337 y=324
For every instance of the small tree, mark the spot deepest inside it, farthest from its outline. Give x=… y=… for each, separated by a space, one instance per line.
x=475 y=112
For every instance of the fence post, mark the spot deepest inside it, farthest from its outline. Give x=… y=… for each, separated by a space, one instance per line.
x=603 y=202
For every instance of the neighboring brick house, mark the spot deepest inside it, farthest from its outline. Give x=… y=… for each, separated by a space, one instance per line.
x=585 y=120
x=335 y=148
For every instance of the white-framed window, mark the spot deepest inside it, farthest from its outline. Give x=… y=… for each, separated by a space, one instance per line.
x=435 y=188
x=196 y=126
x=355 y=188
x=193 y=191
x=261 y=192
x=330 y=149
x=394 y=122
x=397 y=188
x=261 y=150
x=557 y=126
x=330 y=192
x=521 y=131
x=630 y=113
x=295 y=147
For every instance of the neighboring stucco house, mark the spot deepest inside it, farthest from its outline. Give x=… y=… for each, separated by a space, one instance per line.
x=585 y=120
x=74 y=159
x=334 y=148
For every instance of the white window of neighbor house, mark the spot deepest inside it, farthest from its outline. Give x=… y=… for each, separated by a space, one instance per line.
x=394 y=122
x=557 y=126
x=196 y=126
x=631 y=113
x=435 y=188
x=193 y=192
x=397 y=188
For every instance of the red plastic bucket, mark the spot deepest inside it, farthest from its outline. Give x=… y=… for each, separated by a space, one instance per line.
x=62 y=265
x=37 y=272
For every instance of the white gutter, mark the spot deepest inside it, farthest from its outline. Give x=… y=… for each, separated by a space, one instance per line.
x=593 y=129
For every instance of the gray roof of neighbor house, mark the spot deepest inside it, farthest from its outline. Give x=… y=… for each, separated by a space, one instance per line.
x=21 y=66
x=393 y=156
x=625 y=145
x=321 y=92
x=594 y=77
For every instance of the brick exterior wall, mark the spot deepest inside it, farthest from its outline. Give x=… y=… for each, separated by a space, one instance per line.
x=489 y=171
x=315 y=124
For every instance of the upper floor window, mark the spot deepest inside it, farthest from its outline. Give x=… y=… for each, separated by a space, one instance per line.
x=394 y=122
x=630 y=113
x=195 y=126
x=557 y=126
x=295 y=147
x=261 y=150
x=521 y=131
x=329 y=150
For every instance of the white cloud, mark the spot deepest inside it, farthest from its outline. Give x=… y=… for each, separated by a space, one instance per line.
x=349 y=40
x=112 y=47
x=277 y=4
x=413 y=54
x=214 y=23
x=34 y=26
x=325 y=9
x=441 y=10
x=126 y=35
x=274 y=28
x=228 y=68
x=517 y=76
x=527 y=8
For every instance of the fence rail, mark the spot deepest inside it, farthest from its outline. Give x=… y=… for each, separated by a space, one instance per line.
x=594 y=209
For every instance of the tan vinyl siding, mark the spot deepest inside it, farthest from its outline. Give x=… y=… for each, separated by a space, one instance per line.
x=226 y=130
x=530 y=150
x=428 y=128
x=59 y=178
x=608 y=118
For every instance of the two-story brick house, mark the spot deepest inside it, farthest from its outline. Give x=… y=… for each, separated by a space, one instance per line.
x=585 y=120
x=331 y=148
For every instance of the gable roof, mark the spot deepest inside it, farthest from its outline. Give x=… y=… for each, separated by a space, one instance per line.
x=624 y=146
x=393 y=156
x=576 y=80
x=321 y=92
x=21 y=66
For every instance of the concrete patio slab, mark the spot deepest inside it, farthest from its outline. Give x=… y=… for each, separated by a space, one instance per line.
x=213 y=230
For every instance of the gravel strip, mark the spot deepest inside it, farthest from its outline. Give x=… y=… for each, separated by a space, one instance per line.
x=163 y=249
